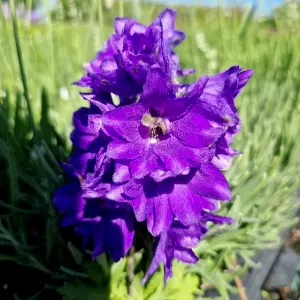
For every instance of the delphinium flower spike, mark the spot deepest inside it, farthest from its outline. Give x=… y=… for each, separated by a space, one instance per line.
x=155 y=158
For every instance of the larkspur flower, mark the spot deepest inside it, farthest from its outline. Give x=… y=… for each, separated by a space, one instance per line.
x=178 y=242
x=161 y=135
x=87 y=136
x=109 y=225
x=156 y=157
x=183 y=197
x=122 y=67
x=217 y=105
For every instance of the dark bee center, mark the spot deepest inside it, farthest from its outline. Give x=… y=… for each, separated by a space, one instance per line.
x=156 y=132
x=157 y=126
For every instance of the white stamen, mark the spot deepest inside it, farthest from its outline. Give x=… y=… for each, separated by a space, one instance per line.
x=185 y=172
x=153 y=140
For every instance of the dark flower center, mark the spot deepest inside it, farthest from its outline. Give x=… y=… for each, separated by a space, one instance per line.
x=158 y=127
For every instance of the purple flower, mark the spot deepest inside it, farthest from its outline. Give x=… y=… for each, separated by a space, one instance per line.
x=178 y=241
x=87 y=136
x=109 y=225
x=156 y=157
x=183 y=197
x=216 y=104
x=122 y=67
x=217 y=99
x=161 y=134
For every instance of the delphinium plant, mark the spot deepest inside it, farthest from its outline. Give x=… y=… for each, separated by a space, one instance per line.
x=146 y=170
x=262 y=179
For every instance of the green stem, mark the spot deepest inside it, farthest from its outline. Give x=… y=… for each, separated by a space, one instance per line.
x=101 y=23
x=21 y=62
x=121 y=8
x=131 y=271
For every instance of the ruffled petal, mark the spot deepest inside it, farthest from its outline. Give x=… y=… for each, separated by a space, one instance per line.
x=124 y=122
x=210 y=182
x=178 y=158
x=185 y=205
x=159 y=214
x=195 y=131
x=123 y=150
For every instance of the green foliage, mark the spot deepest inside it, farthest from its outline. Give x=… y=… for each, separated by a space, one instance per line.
x=112 y=285
x=263 y=178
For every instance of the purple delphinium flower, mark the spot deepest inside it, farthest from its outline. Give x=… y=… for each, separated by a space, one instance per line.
x=161 y=135
x=109 y=225
x=183 y=197
x=178 y=242
x=87 y=137
x=156 y=157
x=121 y=68
x=217 y=105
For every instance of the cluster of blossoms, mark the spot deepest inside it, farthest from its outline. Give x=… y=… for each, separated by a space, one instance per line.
x=155 y=158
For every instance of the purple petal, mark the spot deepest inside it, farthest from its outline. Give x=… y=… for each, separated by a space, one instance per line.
x=99 y=241
x=139 y=206
x=143 y=165
x=80 y=161
x=65 y=198
x=208 y=217
x=185 y=205
x=159 y=214
x=82 y=140
x=121 y=174
x=210 y=182
x=222 y=162
x=102 y=100
x=178 y=158
x=243 y=79
x=124 y=122
x=185 y=255
x=120 y=24
x=167 y=18
x=123 y=150
x=218 y=84
x=94 y=123
x=156 y=89
x=119 y=235
x=133 y=189
x=159 y=257
x=195 y=131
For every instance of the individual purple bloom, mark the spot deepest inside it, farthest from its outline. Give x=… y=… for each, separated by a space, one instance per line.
x=217 y=99
x=183 y=197
x=69 y=202
x=216 y=103
x=178 y=242
x=172 y=38
x=232 y=80
x=111 y=228
x=87 y=136
x=122 y=67
x=161 y=134
x=108 y=224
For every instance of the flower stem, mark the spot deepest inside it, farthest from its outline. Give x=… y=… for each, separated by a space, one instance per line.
x=131 y=271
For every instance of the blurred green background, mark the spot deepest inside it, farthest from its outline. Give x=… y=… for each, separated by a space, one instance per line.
x=32 y=141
